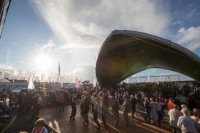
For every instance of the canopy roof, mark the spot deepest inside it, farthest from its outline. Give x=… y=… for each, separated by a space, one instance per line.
x=160 y=78
x=125 y=53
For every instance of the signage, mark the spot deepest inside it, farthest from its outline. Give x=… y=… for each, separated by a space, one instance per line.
x=12 y=85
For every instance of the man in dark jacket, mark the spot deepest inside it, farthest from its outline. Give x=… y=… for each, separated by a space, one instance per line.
x=85 y=110
x=21 y=102
x=104 y=109
x=115 y=110
x=147 y=109
x=133 y=103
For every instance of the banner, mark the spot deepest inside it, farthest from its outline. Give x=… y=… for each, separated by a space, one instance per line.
x=19 y=75
x=67 y=78
x=2 y=73
x=31 y=84
x=11 y=74
x=13 y=85
x=27 y=75
x=64 y=78
x=94 y=84
x=51 y=77
x=55 y=79
x=71 y=80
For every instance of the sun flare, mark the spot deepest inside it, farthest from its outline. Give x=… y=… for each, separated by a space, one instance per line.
x=43 y=62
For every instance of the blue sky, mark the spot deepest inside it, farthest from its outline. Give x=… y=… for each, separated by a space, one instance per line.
x=71 y=31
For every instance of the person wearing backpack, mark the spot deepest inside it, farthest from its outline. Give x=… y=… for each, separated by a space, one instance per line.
x=126 y=109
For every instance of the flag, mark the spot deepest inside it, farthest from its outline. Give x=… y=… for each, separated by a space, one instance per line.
x=30 y=83
x=64 y=78
x=19 y=75
x=55 y=77
x=61 y=81
x=77 y=82
x=42 y=77
x=49 y=78
x=94 y=84
x=2 y=73
x=67 y=78
x=59 y=68
x=11 y=74
x=71 y=80
x=27 y=75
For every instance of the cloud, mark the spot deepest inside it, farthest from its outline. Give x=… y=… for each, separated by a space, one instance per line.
x=191 y=13
x=86 y=23
x=14 y=43
x=50 y=44
x=7 y=67
x=177 y=22
x=21 y=61
x=189 y=38
x=85 y=72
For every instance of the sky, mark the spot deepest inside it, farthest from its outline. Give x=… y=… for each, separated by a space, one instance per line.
x=38 y=34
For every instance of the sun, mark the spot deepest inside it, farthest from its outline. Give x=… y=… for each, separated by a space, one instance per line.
x=43 y=62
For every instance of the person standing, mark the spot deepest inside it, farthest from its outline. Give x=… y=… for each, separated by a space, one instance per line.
x=96 y=109
x=159 y=111
x=187 y=124
x=104 y=109
x=57 y=95
x=61 y=103
x=21 y=102
x=81 y=103
x=162 y=100
x=133 y=103
x=174 y=114
x=126 y=108
x=73 y=105
x=85 y=110
x=115 y=110
x=92 y=98
x=147 y=109
x=153 y=113
x=170 y=104
x=4 y=96
x=39 y=103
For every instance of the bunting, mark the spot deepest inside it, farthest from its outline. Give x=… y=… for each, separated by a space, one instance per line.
x=77 y=82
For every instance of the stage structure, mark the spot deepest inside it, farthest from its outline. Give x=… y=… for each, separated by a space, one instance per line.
x=125 y=53
x=4 y=6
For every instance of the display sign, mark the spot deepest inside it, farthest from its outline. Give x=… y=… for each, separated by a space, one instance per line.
x=12 y=85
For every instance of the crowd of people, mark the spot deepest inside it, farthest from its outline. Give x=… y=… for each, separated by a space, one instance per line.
x=153 y=98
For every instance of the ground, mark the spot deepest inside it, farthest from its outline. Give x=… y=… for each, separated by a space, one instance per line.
x=18 y=123
x=62 y=124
